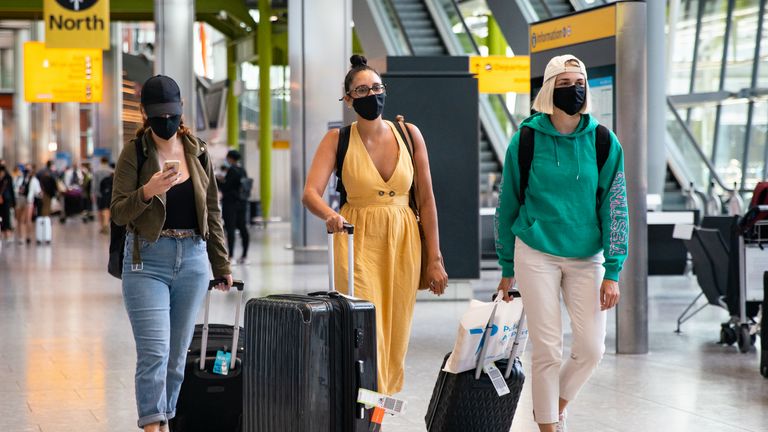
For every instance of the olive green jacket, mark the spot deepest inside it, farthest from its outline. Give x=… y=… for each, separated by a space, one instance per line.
x=146 y=219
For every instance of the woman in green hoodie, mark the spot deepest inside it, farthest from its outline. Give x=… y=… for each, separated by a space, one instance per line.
x=562 y=227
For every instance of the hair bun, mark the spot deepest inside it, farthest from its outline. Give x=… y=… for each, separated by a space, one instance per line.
x=358 y=60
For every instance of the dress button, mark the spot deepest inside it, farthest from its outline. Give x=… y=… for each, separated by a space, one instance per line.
x=381 y=193
x=391 y=193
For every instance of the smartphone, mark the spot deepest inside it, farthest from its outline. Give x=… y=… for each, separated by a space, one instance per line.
x=171 y=164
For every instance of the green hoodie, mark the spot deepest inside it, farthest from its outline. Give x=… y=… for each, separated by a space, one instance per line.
x=568 y=212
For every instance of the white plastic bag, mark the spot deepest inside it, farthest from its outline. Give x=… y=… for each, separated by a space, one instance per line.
x=469 y=341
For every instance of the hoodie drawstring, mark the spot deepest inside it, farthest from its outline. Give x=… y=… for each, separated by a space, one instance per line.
x=578 y=162
x=557 y=158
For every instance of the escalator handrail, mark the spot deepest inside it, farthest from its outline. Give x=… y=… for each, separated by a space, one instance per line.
x=508 y=114
x=546 y=8
x=715 y=176
x=400 y=25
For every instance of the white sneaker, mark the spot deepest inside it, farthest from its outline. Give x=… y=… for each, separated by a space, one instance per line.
x=561 y=422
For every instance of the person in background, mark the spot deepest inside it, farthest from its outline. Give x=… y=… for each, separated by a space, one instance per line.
x=7 y=202
x=234 y=203
x=564 y=232
x=27 y=188
x=47 y=179
x=101 y=191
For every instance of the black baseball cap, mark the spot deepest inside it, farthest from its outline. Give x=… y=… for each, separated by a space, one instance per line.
x=160 y=96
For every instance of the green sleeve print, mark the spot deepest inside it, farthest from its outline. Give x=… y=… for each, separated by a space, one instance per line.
x=613 y=212
x=507 y=211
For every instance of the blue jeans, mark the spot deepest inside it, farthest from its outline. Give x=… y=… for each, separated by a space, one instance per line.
x=162 y=300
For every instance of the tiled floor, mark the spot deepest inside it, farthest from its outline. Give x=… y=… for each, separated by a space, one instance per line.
x=67 y=354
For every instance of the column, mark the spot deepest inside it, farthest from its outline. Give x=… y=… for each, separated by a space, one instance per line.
x=657 y=97
x=632 y=131
x=265 y=106
x=174 y=49
x=233 y=114
x=22 y=146
x=109 y=124
x=319 y=46
x=40 y=126
x=67 y=129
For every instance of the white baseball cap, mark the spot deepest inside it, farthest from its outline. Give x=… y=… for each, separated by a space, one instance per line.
x=557 y=65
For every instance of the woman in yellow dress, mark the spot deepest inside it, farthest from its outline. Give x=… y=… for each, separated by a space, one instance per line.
x=378 y=173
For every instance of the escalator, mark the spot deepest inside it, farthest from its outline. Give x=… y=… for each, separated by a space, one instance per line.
x=421 y=34
x=546 y=9
x=425 y=35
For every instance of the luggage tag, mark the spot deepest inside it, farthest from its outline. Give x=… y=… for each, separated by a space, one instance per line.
x=497 y=379
x=221 y=366
x=376 y=419
x=389 y=404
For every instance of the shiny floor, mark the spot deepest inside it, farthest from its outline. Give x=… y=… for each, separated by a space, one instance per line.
x=67 y=355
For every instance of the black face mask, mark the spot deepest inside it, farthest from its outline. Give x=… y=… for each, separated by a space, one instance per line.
x=369 y=107
x=570 y=99
x=163 y=127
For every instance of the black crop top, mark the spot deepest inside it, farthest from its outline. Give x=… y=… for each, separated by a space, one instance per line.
x=180 y=211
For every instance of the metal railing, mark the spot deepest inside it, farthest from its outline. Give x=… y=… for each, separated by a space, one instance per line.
x=696 y=160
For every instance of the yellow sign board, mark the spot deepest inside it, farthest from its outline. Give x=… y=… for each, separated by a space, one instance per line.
x=500 y=74
x=583 y=27
x=62 y=75
x=76 y=23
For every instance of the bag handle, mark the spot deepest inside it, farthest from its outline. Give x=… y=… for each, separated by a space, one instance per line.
x=484 y=340
x=235 y=334
x=405 y=134
x=515 y=346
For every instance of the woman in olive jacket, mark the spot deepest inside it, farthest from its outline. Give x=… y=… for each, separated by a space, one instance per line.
x=173 y=231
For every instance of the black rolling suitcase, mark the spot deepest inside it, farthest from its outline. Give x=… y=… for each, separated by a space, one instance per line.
x=764 y=329
x=306 y=357
x=468 y=401
x=210 y=402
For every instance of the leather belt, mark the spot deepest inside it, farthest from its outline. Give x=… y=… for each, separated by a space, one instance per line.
x=179 y=233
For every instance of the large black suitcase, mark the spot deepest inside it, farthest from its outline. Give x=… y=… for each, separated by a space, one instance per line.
x=468 y=401
x=306 y=357
x=210 y=402
x=764 y=329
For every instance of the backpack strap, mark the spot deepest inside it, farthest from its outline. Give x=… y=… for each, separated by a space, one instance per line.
x=405 y=135
x=525 y=159
x=602 y=145
x=341 y=153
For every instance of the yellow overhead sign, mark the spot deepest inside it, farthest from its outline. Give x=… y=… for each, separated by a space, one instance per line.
x=76 y=23
x=62 y=75
x=583 y=27
x=500 y=74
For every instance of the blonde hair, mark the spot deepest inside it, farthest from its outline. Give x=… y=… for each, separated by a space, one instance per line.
x=544 y=100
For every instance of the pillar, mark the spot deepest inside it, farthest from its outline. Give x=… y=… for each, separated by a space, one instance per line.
x=174 y=49
x=265 y=106
x=319 y=46
x=657 y=97
x=109 y=124
x=233 y=114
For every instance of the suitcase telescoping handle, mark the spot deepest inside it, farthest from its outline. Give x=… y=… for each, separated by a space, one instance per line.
x=350 y=230
x=239 y=285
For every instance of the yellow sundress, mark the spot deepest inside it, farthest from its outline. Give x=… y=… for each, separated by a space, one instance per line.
x=387 y=252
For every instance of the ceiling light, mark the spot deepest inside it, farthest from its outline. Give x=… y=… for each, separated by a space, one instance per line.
x=254 y=14
x=273 y=18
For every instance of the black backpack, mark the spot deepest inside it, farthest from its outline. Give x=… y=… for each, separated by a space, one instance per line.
x=105 y=186
x=526 y=147
x=24 y=187
x=117 y=232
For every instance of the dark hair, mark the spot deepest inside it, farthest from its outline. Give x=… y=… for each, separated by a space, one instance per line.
x=233 y=154
x=359 y=64
x=104 y=160
x=2 y=167
x=182 y=129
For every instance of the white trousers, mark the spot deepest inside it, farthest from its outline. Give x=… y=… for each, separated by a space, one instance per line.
x=541 y=278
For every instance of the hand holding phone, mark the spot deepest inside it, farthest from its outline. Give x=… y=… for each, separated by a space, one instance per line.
x=171 y=165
